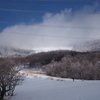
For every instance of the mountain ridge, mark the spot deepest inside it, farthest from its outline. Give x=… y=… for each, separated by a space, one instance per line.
x=93 y=45
x=6 y=51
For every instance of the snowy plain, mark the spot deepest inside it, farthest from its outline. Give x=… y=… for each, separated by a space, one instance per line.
x=44 y=87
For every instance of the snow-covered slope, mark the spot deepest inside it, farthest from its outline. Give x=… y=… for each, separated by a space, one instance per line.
x=93 y=45
x=45 y=89
x=10 y=51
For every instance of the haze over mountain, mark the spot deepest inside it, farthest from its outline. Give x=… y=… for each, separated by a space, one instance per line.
x=6 y=51
x=87 y=46
x=93 y=45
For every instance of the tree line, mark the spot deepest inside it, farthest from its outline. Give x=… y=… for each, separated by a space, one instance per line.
x=65 y=64
x=80 y=66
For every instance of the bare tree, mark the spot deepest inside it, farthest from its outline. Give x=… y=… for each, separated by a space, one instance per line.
x=9 y=77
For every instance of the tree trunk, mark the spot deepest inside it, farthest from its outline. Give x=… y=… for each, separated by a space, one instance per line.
x=2 y=95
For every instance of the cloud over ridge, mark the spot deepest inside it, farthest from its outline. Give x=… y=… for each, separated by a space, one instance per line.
x=57 y=30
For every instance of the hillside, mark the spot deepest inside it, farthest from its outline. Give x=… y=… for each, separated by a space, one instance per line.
x=6 y=51
x=44 y=58
x=93 y=45
x=67 y=64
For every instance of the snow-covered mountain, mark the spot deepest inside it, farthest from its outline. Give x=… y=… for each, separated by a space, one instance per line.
x=6 y=51
x=93 y=45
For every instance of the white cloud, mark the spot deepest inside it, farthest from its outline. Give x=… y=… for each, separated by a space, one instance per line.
x=59 y=24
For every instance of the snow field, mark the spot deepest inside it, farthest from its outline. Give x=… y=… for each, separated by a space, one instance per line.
x=43 y=89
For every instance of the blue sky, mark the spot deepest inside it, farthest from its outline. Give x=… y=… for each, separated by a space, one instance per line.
x=34 y=5
x=82 y=21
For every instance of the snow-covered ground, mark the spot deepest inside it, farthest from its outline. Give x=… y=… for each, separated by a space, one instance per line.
x=48 y=88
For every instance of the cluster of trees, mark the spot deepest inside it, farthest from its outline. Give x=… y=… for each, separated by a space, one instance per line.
x=9 y=77
x=44 y=58
x=80 y=66
x=66 y=64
